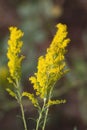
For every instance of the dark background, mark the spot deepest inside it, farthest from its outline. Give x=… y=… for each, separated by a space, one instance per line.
x=37 y=19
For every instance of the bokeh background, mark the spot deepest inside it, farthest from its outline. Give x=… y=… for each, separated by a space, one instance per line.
x=38 y=18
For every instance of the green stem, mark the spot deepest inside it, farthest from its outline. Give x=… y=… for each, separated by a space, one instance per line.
x=38 y=121
x=23 y=116
x=45 y=119
x=47 y=110
x=40 y=115
x=21 y=105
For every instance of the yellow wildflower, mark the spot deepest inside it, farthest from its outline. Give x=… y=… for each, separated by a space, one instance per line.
x=51 y=67
x=14 y=49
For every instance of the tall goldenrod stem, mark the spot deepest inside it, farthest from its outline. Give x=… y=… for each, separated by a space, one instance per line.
x=38 y=121
x=40 y=115
x=21 y=106
x=23 y=116
x=45 y=119
x=47 y=110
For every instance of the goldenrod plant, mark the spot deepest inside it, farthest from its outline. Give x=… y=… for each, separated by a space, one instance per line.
x=14 y=65
x=51 y=67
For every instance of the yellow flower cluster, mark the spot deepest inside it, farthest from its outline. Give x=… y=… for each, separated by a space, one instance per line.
x=14 y=50
x=11 y=93
x=51 y=67
x=54 y=102
x=32 y=98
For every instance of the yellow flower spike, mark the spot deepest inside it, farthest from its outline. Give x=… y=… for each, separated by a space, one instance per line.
x=54 y=102
x=14 y=49
x=14 y=65
x=11 y=93
x=32 y=98
x=51 y=67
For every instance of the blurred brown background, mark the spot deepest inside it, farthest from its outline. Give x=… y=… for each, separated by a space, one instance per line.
x=37 y=18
